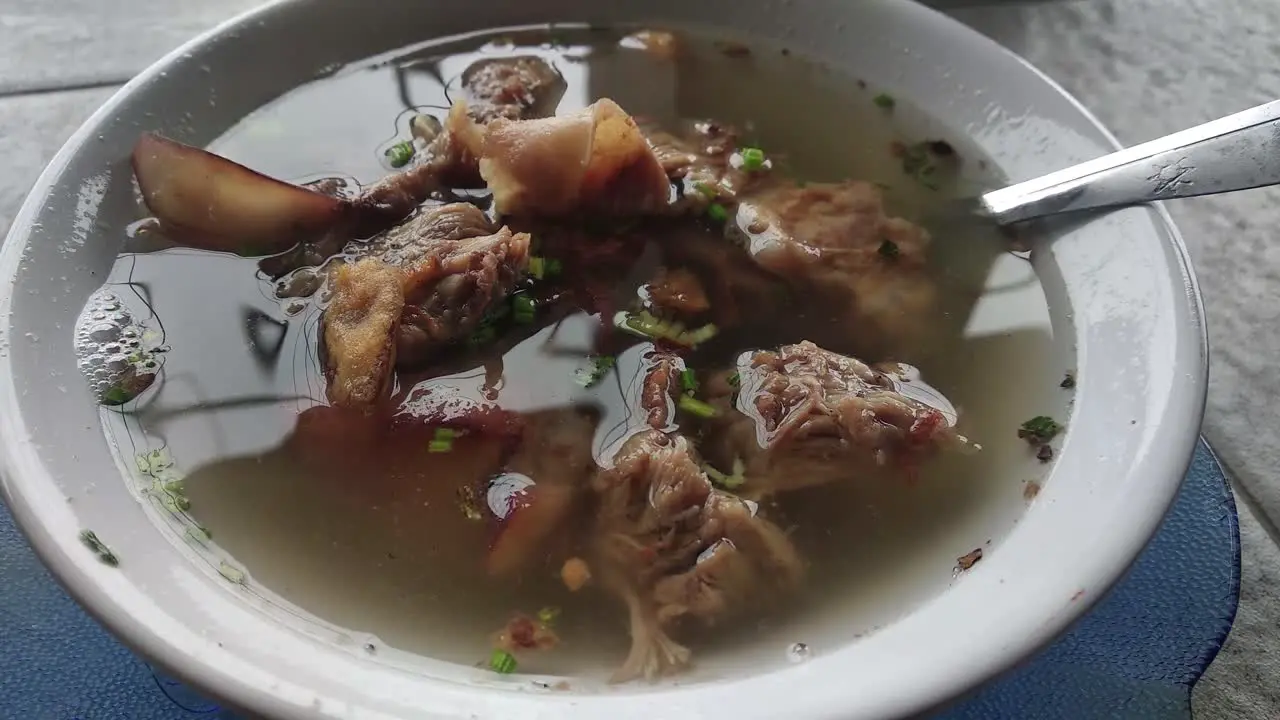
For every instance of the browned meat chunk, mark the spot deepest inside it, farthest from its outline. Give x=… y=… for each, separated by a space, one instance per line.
x=838 y=240
x=747 y=557
x=808 y=416
x=518 y=88
x=456 y=266
x=515 y=88
x=659 y=387
x=595 y=161
x=658 y=522
x=678 y=291
x=702 y=158
x=359 y=332
x=541 y=486
x=523 y=633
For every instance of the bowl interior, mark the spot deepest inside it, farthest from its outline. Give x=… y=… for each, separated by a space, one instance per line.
x=1122 y=312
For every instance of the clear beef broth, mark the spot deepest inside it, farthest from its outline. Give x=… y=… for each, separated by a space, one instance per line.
x=386 y=551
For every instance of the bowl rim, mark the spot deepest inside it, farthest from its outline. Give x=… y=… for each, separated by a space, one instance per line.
x=20 y=470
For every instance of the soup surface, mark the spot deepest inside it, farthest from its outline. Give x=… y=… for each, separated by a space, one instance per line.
x=539 y=381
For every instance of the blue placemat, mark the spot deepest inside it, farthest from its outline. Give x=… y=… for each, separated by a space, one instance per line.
x=1135 y=656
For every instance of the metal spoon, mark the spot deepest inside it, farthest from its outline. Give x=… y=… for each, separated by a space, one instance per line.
x=1237 y=152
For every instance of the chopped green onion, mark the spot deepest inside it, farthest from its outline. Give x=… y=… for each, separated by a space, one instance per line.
x=231 y=573
x=735 y=380
x=752 y=158
x=888 y=249
x=400 y=154
x=554 y=267
x=727 y=482
x=548 y=615
x=502 y=662
x=884 y=101
x=524 y=309
x=537 y=267
x=199 y=533
x=695 y=406
x=697 y=337
x=706 y=189
x=716 y=212
x=688 y=381
x=1039 y=429
x=90 y=540
x=644 y=323
x=600 y=366
x=116 y=396
x=442 y=440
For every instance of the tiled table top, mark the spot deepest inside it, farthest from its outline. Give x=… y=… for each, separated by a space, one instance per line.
x=1145 y=67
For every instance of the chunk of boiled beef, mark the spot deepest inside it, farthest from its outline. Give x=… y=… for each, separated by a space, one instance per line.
x=670 y=546
x=595 y=162
x=803 y=416
x=515 y=88
x=659 y=387
x=836 y=239
x=444 y=269
x=700 y=158
x=359 y=330
x=510 y=88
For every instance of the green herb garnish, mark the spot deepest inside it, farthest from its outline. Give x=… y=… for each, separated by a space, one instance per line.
x=706 y=190
x=694 y=406
x=523 y=309
x=90 y=540
x=697 y=336
x=537 y=267
x=231 y=573
x=400 y=154
x=645 y=324
x=888 y=249
x=442 y=440
x=116 y=396
x=752 y=159
x=884 y=101
x=918 y=162
x=502 y=662
x=1039 y=429
x=727 y=482
x=716 y=212
x=688 y=381
x=735 y=380
x=600 y=366
x=547 y=616
x=554 y=267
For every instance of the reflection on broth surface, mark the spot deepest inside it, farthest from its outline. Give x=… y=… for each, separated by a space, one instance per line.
x=563 y=385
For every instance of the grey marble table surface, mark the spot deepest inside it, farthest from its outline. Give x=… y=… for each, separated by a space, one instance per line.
x=1145 y=67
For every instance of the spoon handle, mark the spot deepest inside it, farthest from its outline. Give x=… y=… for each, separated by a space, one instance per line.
x=1237 y=152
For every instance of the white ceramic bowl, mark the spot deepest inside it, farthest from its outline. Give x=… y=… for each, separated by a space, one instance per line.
x=1120 y=289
